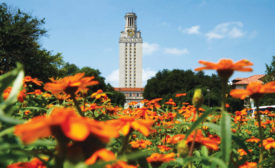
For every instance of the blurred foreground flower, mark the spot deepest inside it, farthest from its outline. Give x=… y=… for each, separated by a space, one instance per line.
x=249 y=165
x=70 y=84
x=66 y=121
x=102 y=154
x=226 y=67
x=156 y=159
x=254 y=90
x=34 y=163
x=124 y=124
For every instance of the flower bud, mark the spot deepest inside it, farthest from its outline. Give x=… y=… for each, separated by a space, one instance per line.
x=182 y=148
x=197 y=98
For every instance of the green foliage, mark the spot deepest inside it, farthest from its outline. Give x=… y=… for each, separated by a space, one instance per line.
x=269 y=99
x=117 y=98
x=19 y=35
x=167 y=83
x=270 y=71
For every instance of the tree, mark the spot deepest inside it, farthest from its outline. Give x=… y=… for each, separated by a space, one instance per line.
x=167 y=83
x=117 y=98
x=269 y=99
x=19 y=35
x=270 y=71
x=68 y=69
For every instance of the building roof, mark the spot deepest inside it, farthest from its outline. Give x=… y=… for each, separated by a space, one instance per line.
x=129 y=89
x=245 y=81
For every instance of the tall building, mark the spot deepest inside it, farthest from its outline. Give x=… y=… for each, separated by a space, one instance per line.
x=130 y=60
x=130 y=53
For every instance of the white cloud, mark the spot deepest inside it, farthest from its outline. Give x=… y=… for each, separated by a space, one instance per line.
x=113 y=77
x=213 y=35
x=147 y=74
x=226 y=30
x=176 y=51
x=191 y=30
x=252 y=34
x=235 y=33
x=149 y=49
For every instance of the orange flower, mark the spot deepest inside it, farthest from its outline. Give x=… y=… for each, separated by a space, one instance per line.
x=29 y=79
x=99 y=94
x=254 y=90
x=102 y=154
x=132 y=103
x=242 y=152
x=164 y=148
x=226 y=67
x=70 y=84
x=210 y=142
x=249 y=165
x=177 y=138
x=227 y=105
x=120 y=164
x=166 y=139
x=140 y=143
x=47 y=95
x=180 y=94
x=67 y=120
x=161 y=158
x=171 y=102
x=34 y=163
x=268 y=143
x=124 y=125
x=27 y=112
x=253 y=139
x=36 y=92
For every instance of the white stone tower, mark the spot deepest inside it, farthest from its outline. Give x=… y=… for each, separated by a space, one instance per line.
x=130 y=54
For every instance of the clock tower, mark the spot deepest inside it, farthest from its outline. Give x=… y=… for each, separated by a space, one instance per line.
x=130 y=54
x=130 y=60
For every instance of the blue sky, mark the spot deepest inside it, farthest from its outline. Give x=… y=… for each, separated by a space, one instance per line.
x=176 y=33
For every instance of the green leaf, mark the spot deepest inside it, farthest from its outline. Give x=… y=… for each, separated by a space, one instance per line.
x=68 y=164
x=133 y=156
x=14 y=78
x=197 y=122
x=216 y=161
x=8 y=119
x=6 y=131
x=34 y=108
x=204 y=151
x=16 y=87
x=8 y=78
x=226 y=136
x=213 y=126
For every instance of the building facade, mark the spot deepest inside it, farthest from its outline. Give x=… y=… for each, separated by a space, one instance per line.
x=130 y=54
x=130 y=60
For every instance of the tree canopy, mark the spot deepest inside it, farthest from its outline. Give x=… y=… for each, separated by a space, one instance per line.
x=270 y=71
x=19 y=35
x=269 y=99
x=19 y=42
x=167 y=83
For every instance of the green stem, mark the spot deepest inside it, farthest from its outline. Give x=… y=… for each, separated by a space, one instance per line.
x=225 y=126
x=193 y=144
x=195 y=134
x=261 y=156
x=125 y=142
x=77 y=105
x=224 y=86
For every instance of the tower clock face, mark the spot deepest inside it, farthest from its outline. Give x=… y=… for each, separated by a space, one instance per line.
x=131 y=32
